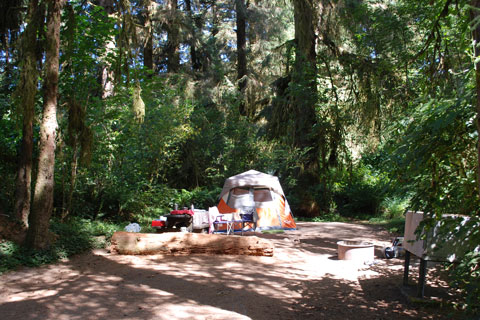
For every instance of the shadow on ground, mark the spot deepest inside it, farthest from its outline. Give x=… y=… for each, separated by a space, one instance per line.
x=286 y=286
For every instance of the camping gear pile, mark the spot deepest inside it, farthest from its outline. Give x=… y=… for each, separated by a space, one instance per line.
x=396 y=250
x=188 y=220
x=255 y=199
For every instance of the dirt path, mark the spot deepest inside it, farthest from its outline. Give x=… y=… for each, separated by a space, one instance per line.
x=303 y=280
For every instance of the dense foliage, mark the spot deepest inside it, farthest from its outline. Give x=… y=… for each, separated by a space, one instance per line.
x=362 y=108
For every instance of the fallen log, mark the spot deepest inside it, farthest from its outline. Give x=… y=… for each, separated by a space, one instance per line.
x=187 y=243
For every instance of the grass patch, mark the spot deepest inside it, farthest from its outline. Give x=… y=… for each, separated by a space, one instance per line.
x=395 y=225
x=329 y=217
x=274 y=231
x=72 y=237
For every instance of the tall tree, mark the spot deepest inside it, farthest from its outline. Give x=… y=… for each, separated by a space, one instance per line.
x=27 y=90
x=196 y=64
x=148 y=42
x=241 y=21
x=475 y=21
x=106 y=72
x=37 y=236
x=10 y=22
x=173 y=41
x=304 y=78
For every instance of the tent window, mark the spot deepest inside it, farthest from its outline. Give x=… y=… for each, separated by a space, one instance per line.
x=240 y=197
x=240 y=191
x=262 y=195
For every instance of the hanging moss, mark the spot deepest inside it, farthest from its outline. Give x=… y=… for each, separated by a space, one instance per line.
x=78 y=131
x=86 y=142
x=138 y=104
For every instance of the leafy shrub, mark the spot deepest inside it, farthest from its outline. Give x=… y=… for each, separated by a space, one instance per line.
x=394 y=207
x=327 y=217
x=73 y=237
x=100 y=228
x=204 y=198
x=8 y=257
x=466 y=276
x=393 y=225
x=361 y=194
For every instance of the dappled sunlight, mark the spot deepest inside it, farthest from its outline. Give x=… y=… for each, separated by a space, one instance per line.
x=302 y=280
x=32 y=295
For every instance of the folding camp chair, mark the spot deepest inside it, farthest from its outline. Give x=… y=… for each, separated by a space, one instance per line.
x=249 y=215
x=227 y=219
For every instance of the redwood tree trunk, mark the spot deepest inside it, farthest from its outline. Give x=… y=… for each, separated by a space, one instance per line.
x=476 y=43
x=241 y=49
x=37 y=236
x=28 y=90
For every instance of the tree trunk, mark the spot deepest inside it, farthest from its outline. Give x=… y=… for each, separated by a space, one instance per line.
x=7 y=82
x=7 y=51
x=173 y=42
x=196 y=65
x=73 y=179
x=475 y=13
x=37 y=236
x=189 y=243
x=304 y=76
x=106 y=73
x=148 y=46
x=27 y=89
x=241 y=50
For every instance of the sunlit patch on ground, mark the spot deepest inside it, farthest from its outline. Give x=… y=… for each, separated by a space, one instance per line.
x=303 y=280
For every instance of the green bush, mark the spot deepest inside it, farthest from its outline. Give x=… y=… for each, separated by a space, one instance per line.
x=361 y=193
x=393 y=225
x=73 y=237
x=393 y=207
x=327 y=217
x=466 y=276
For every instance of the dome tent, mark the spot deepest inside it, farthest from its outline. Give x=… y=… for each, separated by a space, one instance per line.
x=260 y=192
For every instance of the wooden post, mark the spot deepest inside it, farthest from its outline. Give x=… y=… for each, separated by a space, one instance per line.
x=406 y=268
x=421 y=279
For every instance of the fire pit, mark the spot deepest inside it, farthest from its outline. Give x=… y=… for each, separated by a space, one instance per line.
x=355 y=250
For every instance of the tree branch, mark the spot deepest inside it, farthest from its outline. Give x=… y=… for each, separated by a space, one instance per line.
x=435 y=27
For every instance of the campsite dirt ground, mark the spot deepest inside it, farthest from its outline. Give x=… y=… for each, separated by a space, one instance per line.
x=303 y=280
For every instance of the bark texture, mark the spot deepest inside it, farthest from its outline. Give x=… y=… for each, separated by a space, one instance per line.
x=27 y=91
x=304 y=77
x=189 y=243
x=37 y=236
x=106 y=73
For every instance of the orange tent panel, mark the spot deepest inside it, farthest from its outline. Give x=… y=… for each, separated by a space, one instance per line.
x=268 y=217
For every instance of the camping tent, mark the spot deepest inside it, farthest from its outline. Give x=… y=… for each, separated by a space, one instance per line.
x=258 y=192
